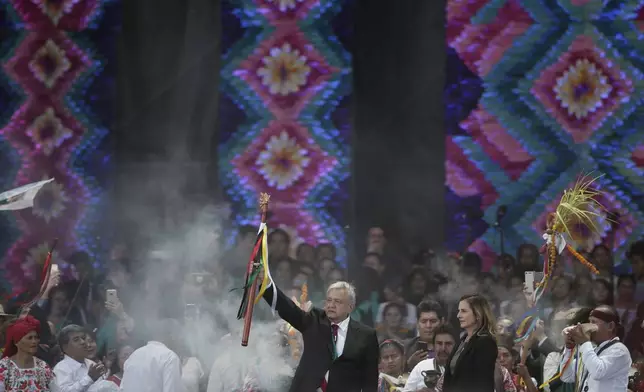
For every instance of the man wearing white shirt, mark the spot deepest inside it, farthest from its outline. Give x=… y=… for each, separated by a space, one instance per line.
x=155 y=367
x=605 y=368
x=76 y=373
x=444 y=340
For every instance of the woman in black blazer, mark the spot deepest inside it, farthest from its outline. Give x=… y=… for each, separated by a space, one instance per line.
x=470 y=367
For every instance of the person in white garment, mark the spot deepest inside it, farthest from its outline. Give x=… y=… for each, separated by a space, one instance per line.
x=155 y=367
x=191 y=374
x=444 y=340
x=76 y=373
x=605 y=367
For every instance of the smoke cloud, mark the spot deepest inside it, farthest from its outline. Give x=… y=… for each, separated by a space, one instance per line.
x=187 y=263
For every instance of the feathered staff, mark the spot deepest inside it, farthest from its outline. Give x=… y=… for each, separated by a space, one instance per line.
x=578 y=207
x=44 y=278
x=258 y=261
x=18 y=199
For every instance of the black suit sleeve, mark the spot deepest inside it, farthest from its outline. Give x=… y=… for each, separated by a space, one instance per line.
x=287 y=309
x=487 y=352
x=371 y=360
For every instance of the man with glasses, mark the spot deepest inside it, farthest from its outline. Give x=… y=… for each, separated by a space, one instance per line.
x=340 y=354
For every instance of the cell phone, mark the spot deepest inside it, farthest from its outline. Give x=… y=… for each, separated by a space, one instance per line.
x=531 y=278
x=422 y=345
x=111 y=296
x=54 y=269
x=529 y=282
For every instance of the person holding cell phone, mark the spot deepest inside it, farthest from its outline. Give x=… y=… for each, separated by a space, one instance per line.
x=419 y=380
x=117 y=328
x=431 y=317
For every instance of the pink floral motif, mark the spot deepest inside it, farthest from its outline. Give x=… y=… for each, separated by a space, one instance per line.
x=49 y=63
x=36 y=379
x=284 y=159
x=582 y=88
x=48 y=132
x=50 y=202
x=48 y=59
x=285 y=71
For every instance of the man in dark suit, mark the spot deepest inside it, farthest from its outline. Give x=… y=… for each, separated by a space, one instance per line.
x=541 y=346
x=340 y=354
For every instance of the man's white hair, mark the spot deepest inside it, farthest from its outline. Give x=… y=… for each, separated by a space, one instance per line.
x=348 y=287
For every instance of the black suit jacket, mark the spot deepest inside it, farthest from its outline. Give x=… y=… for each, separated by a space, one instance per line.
x=474 y=370
x=537 y=358
x=354 y=371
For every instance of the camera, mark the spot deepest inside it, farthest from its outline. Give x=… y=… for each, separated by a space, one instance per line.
x=431 y=377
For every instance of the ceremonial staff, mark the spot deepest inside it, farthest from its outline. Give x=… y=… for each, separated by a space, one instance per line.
x=578 y=208
x=258 y=261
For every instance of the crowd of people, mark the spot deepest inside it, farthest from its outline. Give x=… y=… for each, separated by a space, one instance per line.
x=437 y=320
x=413 y=304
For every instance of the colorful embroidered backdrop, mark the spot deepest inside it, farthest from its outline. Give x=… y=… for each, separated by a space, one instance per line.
x=286 y=80
x=55 y=92
x=539 y=91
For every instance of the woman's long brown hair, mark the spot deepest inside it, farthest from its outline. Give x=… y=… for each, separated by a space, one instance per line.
x=483 y=313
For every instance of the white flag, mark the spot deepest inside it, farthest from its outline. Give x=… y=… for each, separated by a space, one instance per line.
x=21 y=197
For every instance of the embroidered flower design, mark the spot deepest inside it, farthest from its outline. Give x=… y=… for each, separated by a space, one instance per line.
x=283 y=161
x=285 y=70
x=50 y=201
x=48 y=132
x=582 y=88
x=49 y=64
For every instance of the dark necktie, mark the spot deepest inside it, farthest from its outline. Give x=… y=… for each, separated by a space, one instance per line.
x=334 y=330
x=334 y=333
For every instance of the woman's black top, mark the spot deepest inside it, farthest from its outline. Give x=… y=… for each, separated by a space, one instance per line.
x=473 y=369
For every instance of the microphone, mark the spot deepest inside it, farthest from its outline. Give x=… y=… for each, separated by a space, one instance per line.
x=500 y=214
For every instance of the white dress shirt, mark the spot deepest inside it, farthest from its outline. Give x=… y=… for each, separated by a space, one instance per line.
x=152 y=368
x=343 y=328
x=191 y=374
x=71 y=375
x=607 y=372
x=416 y=381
